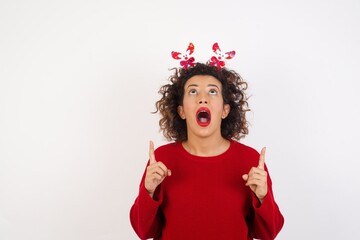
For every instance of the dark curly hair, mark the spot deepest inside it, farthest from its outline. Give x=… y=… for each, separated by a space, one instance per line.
x=234 y=126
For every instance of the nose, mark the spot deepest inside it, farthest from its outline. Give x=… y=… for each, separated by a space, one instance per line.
x=202 y=100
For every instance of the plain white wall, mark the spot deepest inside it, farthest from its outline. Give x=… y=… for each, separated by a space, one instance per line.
x=78 y=80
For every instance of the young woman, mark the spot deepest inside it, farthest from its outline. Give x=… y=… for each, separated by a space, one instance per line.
x=205 y=184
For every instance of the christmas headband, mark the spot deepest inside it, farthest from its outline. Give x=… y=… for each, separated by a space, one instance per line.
x=218 y=60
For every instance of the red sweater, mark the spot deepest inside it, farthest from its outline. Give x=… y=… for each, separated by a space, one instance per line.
x=205 y=198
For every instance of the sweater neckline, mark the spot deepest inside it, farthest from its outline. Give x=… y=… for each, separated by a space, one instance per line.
x=223 y=155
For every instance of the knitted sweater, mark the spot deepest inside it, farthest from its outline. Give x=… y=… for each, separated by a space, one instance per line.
x=206 y=198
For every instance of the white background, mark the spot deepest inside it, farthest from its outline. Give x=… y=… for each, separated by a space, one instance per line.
x=78 y=80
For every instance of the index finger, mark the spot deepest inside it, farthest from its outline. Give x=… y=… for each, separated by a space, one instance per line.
x=151 y=153
x=262 y=159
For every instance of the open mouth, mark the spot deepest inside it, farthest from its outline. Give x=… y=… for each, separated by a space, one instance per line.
x=203 y=117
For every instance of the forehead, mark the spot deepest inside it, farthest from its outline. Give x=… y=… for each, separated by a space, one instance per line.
x=203 y=80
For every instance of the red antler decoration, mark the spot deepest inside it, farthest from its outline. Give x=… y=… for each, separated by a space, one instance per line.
x=218 y=59
x=186 y=60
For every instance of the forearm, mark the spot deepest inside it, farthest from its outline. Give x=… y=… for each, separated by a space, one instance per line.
x=145 y=216
x=267 y=220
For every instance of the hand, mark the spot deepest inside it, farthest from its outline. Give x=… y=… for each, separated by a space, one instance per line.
x=256 y=179
x=156 y=172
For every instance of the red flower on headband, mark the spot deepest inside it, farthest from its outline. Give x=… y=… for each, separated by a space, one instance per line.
x=186 y=60
x=218 y=59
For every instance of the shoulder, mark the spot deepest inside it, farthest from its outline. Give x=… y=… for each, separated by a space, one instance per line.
x=244 y=151
x=167 y=153
x=166 y=149
x=237 y=146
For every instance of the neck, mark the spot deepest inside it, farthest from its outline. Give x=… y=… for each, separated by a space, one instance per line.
x=206 y=147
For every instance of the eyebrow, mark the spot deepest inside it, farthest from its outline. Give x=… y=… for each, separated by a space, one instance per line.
x=209 y=85
x=214 y=85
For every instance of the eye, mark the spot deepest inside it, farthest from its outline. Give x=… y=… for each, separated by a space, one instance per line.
x=192 y=92
x=213 y=92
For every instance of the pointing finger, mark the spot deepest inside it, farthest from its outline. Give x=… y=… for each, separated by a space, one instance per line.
x=151 y=153
x=262 y=159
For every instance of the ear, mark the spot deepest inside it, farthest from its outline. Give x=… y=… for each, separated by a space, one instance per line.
x=226 y=111
x=180 y=111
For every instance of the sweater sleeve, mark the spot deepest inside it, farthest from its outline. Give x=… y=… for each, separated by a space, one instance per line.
x=145 y=216
x=267 y=219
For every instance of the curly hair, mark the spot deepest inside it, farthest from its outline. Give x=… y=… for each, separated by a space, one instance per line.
x=234 y=126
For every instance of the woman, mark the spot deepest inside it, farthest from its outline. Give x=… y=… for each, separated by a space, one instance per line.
x=205 y=184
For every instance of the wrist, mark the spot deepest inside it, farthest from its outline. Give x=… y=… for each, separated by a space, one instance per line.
x=261 y=199
x=151 y=194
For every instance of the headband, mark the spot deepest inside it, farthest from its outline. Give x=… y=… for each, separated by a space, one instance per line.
x=218 y=60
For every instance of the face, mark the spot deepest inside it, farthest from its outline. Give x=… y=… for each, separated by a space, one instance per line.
x=203 y=106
